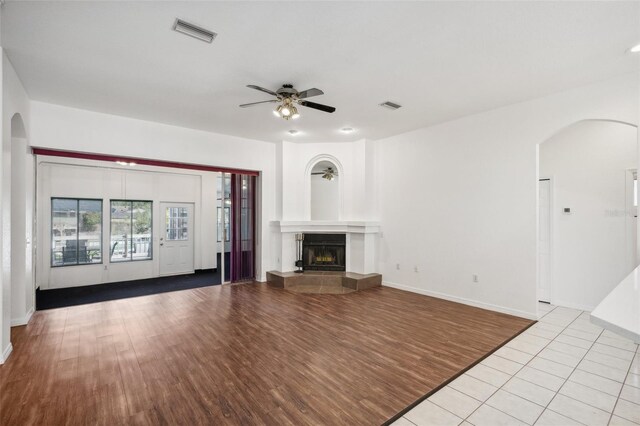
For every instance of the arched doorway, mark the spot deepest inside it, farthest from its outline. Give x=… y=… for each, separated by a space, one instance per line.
x=587 y=227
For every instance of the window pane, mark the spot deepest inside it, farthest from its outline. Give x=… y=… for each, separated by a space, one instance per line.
x=64 y=223
x=227 y=223
x=141 y=241
x=131 y=230
x=176 y=221
x=120 y=231
x=90 y=234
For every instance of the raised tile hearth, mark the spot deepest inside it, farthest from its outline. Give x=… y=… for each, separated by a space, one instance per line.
x=320 y=282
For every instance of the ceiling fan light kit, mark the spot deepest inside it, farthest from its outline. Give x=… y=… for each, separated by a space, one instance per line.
x=328 y=173
x=288 y=97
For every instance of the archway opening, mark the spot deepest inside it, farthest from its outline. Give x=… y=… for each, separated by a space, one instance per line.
x=587 y=212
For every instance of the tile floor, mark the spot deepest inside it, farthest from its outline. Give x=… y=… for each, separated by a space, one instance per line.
x=561 y=371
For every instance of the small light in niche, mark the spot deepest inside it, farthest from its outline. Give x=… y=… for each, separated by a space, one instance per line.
x=347 y=130
x=293 y=132
x=635 y=49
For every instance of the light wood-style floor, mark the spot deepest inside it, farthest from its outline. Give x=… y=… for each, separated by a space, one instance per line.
x=242 y=354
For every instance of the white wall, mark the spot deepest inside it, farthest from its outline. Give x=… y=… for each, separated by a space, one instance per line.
x=588 y=165
x=69 y=178
x=460 y=198
x=63 y=128
x=17 y=295
x=353 y=163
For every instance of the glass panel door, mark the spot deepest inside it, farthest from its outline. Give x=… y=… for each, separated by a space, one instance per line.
x=223 y=213
x=243 y=193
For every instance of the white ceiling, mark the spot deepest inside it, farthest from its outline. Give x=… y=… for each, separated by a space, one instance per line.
x=440 y=60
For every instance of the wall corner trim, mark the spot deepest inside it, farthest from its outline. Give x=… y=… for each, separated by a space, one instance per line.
x=451 y=298
x=24 y=320
x=6 y=353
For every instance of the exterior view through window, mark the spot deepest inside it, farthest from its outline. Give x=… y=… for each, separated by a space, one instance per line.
x=76 y=231
x=131 y=235
x=177 y=224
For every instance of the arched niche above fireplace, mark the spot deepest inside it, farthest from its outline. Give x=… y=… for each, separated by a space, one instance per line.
x=324 y=189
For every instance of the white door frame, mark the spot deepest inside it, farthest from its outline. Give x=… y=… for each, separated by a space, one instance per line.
x=551 y=229
x=631 y=220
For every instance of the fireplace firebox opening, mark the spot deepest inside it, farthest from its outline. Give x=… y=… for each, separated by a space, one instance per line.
x=324 y=252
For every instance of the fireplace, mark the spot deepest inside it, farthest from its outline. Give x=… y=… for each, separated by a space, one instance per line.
x=324 y=252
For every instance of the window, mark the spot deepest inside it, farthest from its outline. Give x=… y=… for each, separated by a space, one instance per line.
x=76 y=231
x=177 y=223
x=225 y=221
x=131 y=230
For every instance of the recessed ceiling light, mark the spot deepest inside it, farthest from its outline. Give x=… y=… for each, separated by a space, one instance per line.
x=293 y=132
x=635 y=49
x=390 y=105
x=194 y=31
x=347 y=130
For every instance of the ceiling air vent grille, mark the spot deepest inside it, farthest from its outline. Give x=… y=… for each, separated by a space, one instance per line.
x=390 y=105
x=194 y=31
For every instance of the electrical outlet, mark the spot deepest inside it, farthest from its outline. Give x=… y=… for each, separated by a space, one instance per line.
x=475 y=278
x=398 y=266
x=415 y=269
x=105 y=267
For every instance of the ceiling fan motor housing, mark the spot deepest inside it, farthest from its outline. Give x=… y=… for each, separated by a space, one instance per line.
x=287 y=91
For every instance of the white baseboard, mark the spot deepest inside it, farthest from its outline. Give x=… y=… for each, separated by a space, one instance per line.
x=573 y=305
x=22 y=321
x=475 y=303
x=6 y=353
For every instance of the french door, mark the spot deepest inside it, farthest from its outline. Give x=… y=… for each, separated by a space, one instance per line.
x=236 y=227
x=176 y=238
x=243 y=192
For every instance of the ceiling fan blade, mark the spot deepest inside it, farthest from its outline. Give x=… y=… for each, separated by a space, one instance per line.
x=262 y=89
x=309 y=93
x=257 y=103
x=320 y=107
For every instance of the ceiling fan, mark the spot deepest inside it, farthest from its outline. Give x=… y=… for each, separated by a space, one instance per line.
x=287 y=96
x=328 y=173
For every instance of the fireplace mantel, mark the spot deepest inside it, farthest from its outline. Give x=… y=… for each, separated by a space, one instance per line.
x=343 y=227
x=361 y=242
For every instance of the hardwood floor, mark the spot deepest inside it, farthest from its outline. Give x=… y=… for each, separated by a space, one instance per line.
x=242 y=354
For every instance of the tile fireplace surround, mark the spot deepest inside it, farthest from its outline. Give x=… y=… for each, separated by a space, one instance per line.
x=361 y=242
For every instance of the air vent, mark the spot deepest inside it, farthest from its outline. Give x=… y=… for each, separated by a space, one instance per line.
x=390 y=105
x=194 y=31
